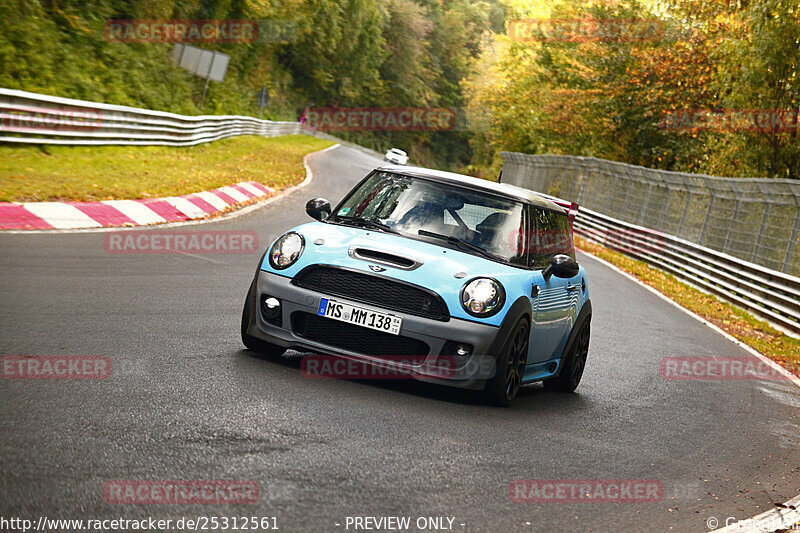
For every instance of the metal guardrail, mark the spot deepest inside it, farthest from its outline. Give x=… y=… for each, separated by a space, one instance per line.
x=768 y=294
x=31 y=118
x=39 y=119
x=754 y=219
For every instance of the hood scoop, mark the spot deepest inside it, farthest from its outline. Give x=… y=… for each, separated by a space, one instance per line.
x=380 y=257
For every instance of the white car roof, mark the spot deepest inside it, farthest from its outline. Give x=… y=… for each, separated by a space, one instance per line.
x=505 y=189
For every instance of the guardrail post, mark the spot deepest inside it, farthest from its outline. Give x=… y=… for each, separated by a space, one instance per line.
x=665 y=206
x=583 y=180
x=729 y=234
x=613 y=179
x=787 y=261
x=711 y=199
x=685 y=213
x=628 y=188
x=646 y=201
x=760 y=239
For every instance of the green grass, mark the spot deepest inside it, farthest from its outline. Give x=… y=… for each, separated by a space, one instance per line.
x=735 y=321
x=91 y=173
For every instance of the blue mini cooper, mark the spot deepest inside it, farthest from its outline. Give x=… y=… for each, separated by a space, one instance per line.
x=450 y=279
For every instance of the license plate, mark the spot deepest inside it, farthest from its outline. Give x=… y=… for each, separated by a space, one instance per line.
x=361 y=317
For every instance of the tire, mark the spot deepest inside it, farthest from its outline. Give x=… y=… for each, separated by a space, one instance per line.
x=574 y=365
x=253 y=343
x=502 y=388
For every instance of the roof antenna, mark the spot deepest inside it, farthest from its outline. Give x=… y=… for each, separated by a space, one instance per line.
x=500 y=177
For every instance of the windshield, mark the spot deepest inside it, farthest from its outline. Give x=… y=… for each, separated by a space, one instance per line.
x=471 y=221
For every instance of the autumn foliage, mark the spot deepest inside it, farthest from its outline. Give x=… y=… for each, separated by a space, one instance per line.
x=607 y=97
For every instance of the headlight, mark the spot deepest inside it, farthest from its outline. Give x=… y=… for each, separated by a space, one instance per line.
x=286 y=250
x=482 y=297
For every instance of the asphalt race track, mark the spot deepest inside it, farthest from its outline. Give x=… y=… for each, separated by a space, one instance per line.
x=186 y=401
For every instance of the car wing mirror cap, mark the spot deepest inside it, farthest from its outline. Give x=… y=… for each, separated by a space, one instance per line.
x=561 y=266
x=318 y=208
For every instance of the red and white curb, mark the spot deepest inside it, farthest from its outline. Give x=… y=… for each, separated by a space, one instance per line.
x=121 y=213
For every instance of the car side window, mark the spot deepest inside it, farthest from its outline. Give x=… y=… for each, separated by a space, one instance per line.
x=515 y=235
x=552 y=235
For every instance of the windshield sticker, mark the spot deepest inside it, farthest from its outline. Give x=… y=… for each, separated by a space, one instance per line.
x=343 y=211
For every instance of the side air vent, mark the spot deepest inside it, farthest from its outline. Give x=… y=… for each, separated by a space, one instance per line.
x=384 y=258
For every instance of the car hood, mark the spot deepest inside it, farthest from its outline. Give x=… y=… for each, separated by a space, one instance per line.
x=330 y=244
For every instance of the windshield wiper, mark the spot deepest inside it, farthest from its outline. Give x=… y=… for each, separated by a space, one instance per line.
x=364 y=223
x=463 y=244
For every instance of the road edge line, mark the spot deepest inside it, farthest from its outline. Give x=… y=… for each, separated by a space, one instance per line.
x=792 y=507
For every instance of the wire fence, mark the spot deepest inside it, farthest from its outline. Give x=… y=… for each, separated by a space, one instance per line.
x=768 y=294
x=752 y=219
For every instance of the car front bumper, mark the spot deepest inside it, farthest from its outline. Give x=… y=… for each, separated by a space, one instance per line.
x=471 y=373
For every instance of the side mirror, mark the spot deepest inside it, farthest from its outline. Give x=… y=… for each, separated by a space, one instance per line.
x=318 y=209
x=561 y=266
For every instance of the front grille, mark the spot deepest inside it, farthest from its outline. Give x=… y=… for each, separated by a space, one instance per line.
x=376 y=290
x=354 y=338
